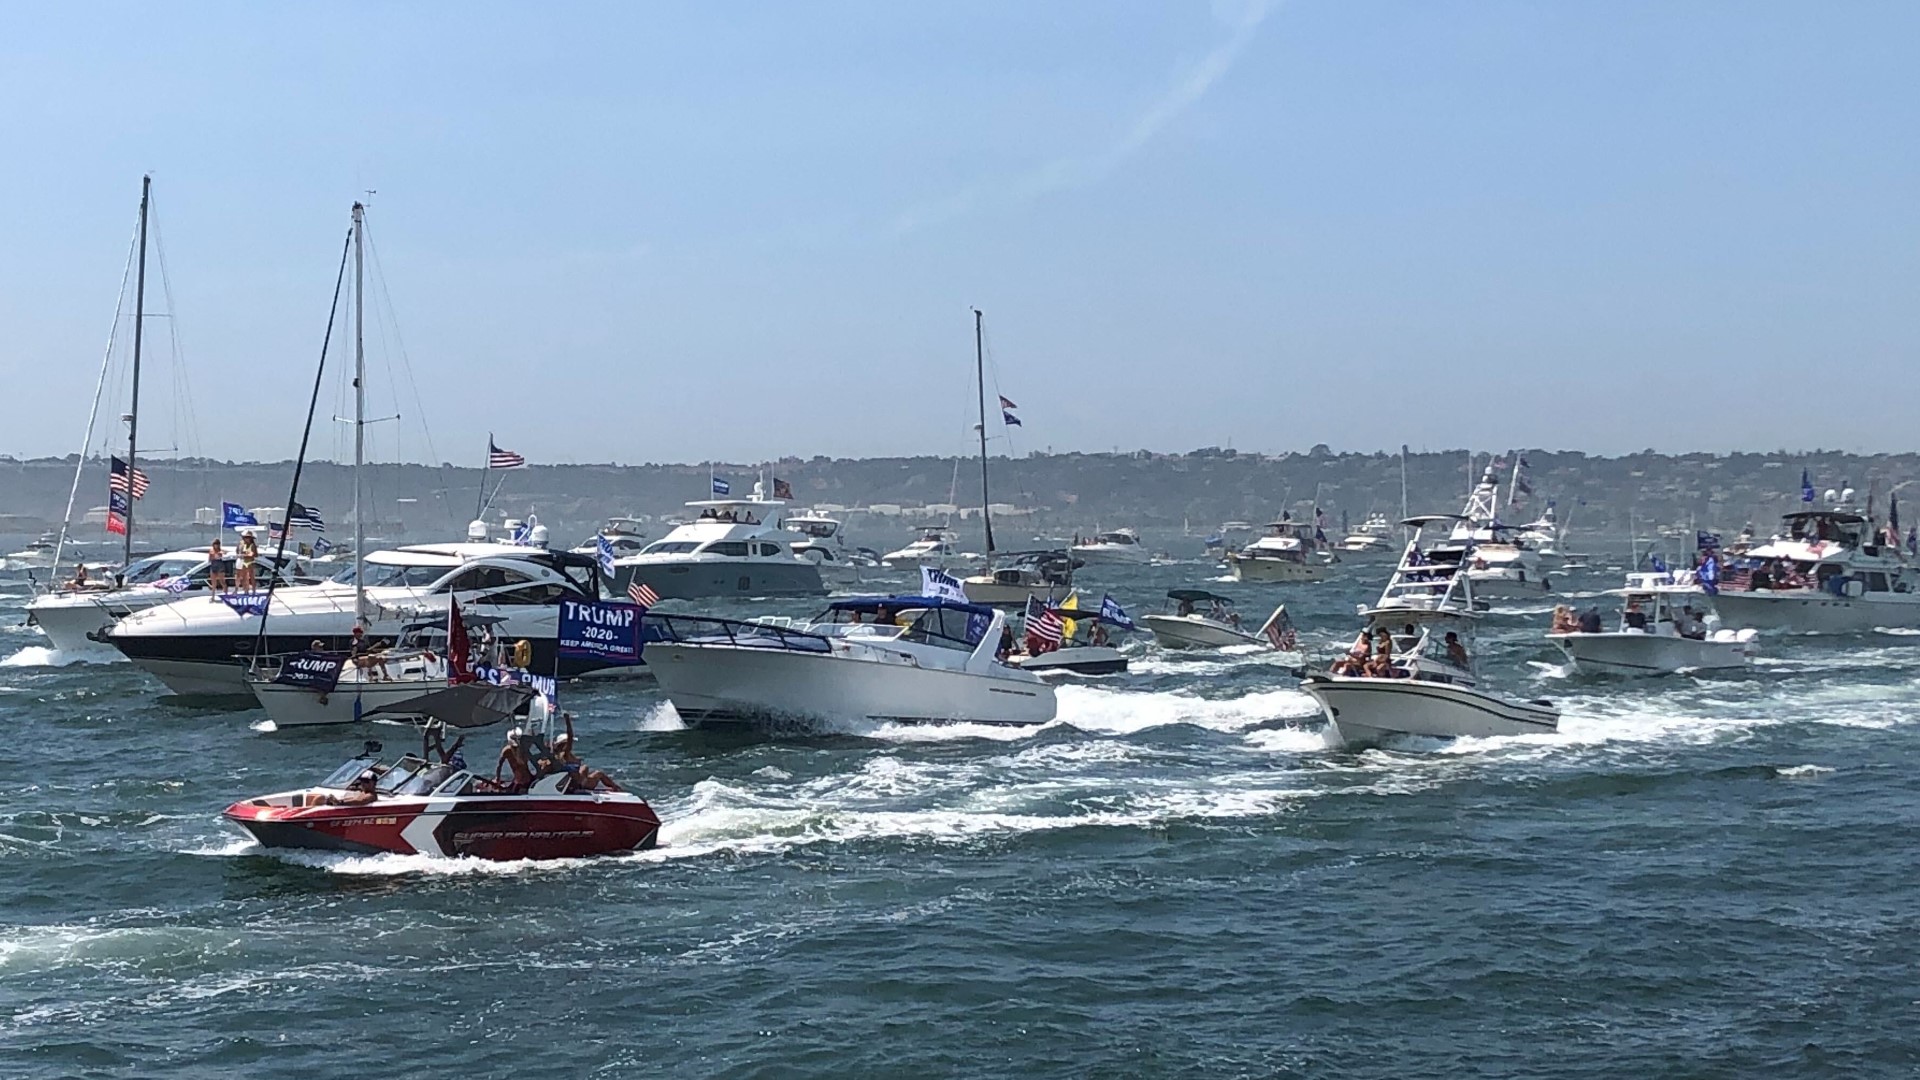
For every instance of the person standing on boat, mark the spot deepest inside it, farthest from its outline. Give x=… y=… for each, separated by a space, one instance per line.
x=249 y=554
x=1456 y=652
x=513 y=757
x=216 y=568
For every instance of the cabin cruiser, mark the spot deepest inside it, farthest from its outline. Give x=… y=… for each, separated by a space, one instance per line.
x=1829 y=573
x=417 y=807
x=1373 y=537
x=72 y=616
x=625 y=535
x=1118 y=546
x=824 y=544
x=202 y=644
x=1286 y=553
x=1542 y=534
x=936 y=547
x=1501 y=564
x=35 y=556
x=1020 y=576
x=731 y=548
x=907 y=659
x=1187 y=626
x=1427 y=683
x=1658 y=633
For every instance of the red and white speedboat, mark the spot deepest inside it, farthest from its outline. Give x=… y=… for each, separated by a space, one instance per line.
x=420 y=808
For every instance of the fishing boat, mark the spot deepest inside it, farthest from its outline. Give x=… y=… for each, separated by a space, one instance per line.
x=1287 y=553
x=413 y=806
x=732 y=547
x=1830 y=572
x=1501 y=564
x=1374 y=537
x=1658 y=633
x=1426 y=615
x=1120 y=546
x=908 y=659
x=1187 y=626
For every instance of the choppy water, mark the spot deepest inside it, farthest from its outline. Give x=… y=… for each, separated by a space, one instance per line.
x=1179 y=877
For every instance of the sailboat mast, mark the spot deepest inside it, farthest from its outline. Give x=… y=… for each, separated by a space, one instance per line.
x=980 y=374
x=359 y=413
x=139 y=325
x=1403 y=486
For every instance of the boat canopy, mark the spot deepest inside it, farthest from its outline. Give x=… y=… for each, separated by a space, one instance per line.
x=1838 y=517
x=869 y=604
x=1431 y=519
x=1195 y=596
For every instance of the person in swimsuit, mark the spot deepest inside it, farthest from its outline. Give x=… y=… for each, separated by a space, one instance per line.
x=249 y=554
x=513 y=757
x=216 y=569
x=359 y=792
x=585 y=778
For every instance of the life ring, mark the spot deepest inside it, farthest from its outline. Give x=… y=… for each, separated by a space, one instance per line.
x=523 y=653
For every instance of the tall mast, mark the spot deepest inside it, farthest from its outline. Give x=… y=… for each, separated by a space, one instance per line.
x=980 y=374
x=359 y=414
x=1403 y=486
x=139 y=324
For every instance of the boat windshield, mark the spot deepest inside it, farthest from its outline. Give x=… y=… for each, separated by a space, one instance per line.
x=343 y=775
x=400 y=774
x=422 y=782
x=381 y=575
x=948 y=628
x=149 y=571
x=670 y=547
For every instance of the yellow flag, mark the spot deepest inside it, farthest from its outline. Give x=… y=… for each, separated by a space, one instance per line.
x=1071 y=603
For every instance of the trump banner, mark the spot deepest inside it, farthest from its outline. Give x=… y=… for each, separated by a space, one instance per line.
x=600 y=630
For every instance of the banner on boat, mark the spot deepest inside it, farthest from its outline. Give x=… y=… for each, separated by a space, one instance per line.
x=246 y=603
x=601 y=630
x=319 y=672
x=937 y=582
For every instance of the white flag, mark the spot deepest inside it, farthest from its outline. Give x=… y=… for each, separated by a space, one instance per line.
x=937 y=582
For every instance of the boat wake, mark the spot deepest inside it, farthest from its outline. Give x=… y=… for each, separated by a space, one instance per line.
x=40 y=656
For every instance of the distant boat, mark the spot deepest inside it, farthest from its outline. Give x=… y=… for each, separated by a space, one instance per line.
x=1117 y=546
x=1654 y=637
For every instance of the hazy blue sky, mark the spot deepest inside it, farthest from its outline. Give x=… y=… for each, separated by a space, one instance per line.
x=643 y=232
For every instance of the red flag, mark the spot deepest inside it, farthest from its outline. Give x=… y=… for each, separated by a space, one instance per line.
x=457 y=671
x=116 y=524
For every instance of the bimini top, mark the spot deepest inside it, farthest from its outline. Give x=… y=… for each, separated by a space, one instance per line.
x=1195 y=596
x=1432 y=519
x=869 y=604
x=1838 y=517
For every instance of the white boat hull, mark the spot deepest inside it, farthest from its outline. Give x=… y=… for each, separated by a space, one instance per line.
x=67 y=622
x=1075 y=660
x=1499 y=585
x=1112 y=554
x=1273 y=570
x=727 y=684
x=1364 y=710
x=1192 y=632
x=1628 y=653
x=1806 y=612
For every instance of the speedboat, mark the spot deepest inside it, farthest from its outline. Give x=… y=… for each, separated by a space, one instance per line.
x=1427 y=615
x=415 y=807
x=1118 y=546
x=1086 y=642
x=907 y=659
x=823 y=543
x=202 y=644
x=935 y=547
x=1187 y=627
x=1373 y=537
x=731 y=548
x=72 y=617
x=1830 y=573
x=1020 y=576
x=1653 y=638
x=38 y=555
x=1286 y=553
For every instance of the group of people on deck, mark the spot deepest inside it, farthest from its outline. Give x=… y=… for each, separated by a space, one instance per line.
x=528 y=759
x=1687 y=622
x=1372 y=655
x=239 y=568
x=745 y=517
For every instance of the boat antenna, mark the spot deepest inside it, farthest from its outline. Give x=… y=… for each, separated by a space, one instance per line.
x=980 y=373
x=139 y=324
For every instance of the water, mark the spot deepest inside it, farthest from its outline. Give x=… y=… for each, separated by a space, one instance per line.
x=1182 y=876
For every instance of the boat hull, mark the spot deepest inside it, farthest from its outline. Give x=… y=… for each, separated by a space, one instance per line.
x=504 y=827
x=1274 y=570
x=1520 y=585
x=719 y=579
x=1075 y=660
x=718 y=684
x=1365 y=711
x=1809 y=612
x=1114 y=555
x=1178 y=632
x=349 y=703
x=1631 y=654
x=68 y=621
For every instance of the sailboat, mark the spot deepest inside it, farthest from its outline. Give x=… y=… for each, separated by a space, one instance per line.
x=1010 y=578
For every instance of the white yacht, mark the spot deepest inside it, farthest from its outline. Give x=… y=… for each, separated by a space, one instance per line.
x=1829 y=573
x=1502 y=566
x=201 y=644
x=1657 y=633
x=626 y=535
x=1286 y=553
x=1374 y=537
x=909 y=659
x=1427 y=614
x=1189 y=627
x=72 y=618
x=38 y=555
x=935 y=547
x=1017 y=576
x=1118 y=546
x=731 y=548
x=823 y=542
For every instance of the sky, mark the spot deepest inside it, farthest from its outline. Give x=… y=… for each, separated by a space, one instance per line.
x=644 y=232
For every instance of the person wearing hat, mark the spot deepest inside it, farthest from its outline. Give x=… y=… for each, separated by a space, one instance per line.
x=360 y=791
x=585 y=779
x=513 y=756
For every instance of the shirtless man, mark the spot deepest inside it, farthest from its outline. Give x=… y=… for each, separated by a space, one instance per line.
x=513 y=756
x=587 y=779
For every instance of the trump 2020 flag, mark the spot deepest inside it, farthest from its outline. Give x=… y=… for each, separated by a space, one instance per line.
x=1111 y=611
x=1806 y=487
x=937 y=582
x=604 y=551
x=233 y=516
x=722 y=487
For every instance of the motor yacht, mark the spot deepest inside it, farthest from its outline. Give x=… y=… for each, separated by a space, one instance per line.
x=38 y=555
x=935 y=547
x=1427 y=613
x=1121 y=546
x=1374 y=537
x=823 y=542
x=626 y=535
x=1188 y=626
x=1501 y=564
x=1658 y=633
x=909 y=659
x=71 y=618
x=202 y=644
x=1018 y=576
x=1286 y=554
x=731 y=548
x=1828 y=573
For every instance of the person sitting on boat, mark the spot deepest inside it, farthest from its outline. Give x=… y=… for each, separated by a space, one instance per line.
x=1689 y=624
x=217 y=562
x=584 y=778
x=1185 y=608
x=883 y=616
x=1564 y=621
x=1098 y=637
x=1357 y=658
x=513 y=757
x=1456 y=652
x=368 y=658
x=1635 y=618
x=79 y=580
x=360 y=791
x=1007 y=644
x=1590 y=621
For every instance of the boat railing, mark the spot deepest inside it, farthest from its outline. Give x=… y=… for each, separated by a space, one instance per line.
x=706 y=630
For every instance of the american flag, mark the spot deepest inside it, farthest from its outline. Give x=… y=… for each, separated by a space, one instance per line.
x=641 y=593
x=782 y=489
x=117 y=478
x=503 y=459
x=300 y=516
x=1045 y=629
x=1279 y=630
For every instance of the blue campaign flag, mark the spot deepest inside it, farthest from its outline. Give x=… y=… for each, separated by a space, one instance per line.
x=1659 y=565
x=1806 y=487
x=1705 y=541
x=246 y=603
x=1709 y=574
x=600 y=630
x=316 y=671
x=322 y=545
x=1111 y=611
x=722 y=487
x=233 y=516
x=604 y=552
x=1010 y=420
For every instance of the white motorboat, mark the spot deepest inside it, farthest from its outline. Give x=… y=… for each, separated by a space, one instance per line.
x=1019 y=576
x=1829 y=574
x=936 y=547
x=908 y=659
x=1374 y=537
x=72 y=618
x=732 y=548
x=1286 y=554
x=1118 y=546
x=1502 y=566
x=1187 y=626
x=1087 y=645
x=202 y=644
x=38 y=555
x=823 y=543
x=1429 y=685
x=1658 y=633
x=625 y=535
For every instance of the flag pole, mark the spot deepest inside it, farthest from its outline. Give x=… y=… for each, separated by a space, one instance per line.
x=486 y=462
x=139 y=325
